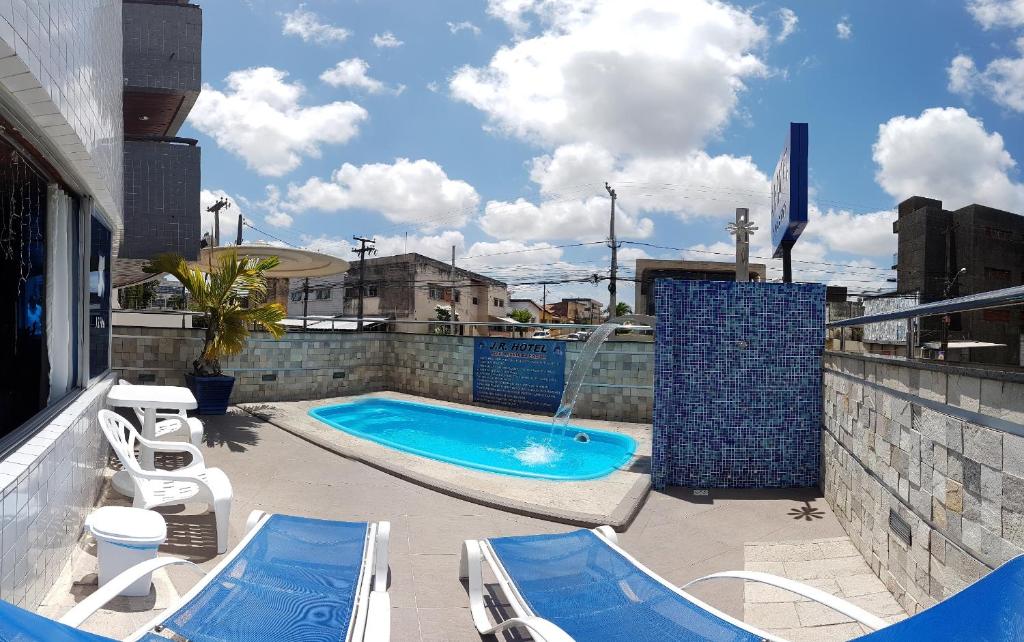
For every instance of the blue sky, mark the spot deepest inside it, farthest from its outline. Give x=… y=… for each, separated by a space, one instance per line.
x=510 y=115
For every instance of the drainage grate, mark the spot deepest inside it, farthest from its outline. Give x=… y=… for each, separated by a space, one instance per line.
x=269 y=377
x=899 y=527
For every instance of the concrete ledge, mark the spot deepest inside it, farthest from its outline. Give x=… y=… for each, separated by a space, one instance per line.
x=612 y=500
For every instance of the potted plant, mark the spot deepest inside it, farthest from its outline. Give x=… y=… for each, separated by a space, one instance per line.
x=231 y=296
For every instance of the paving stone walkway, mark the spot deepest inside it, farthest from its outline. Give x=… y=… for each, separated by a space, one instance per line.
x=833 y=565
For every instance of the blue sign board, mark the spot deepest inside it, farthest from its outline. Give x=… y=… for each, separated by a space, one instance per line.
x=519 y=373
x=789 y=190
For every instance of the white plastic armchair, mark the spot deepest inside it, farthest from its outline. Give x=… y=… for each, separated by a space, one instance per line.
x=194 y=482
x=172 y=424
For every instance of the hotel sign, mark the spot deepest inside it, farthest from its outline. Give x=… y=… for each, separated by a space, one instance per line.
x=789 y=190
x=519 y=373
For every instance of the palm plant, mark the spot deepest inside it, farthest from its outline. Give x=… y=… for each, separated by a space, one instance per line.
x=221 y=296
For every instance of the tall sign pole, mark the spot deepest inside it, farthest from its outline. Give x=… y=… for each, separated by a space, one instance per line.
x=789 y=197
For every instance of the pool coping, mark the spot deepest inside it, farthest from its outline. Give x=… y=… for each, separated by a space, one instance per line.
x=613 y=500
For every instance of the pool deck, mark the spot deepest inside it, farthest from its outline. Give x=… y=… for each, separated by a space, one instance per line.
x=676 y=534
x=613 y=499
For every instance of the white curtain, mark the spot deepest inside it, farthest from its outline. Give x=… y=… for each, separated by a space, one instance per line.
x=60 y=254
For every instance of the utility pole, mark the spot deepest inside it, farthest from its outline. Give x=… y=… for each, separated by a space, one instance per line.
x=544 y=304
x=238 y=239
x=215 y=210
x=305 y=301
x=362 y=251
x=612 y=304
x=452 y=302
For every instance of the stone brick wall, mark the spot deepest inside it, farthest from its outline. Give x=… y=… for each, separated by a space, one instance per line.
x=941 y=448
x=313 y=365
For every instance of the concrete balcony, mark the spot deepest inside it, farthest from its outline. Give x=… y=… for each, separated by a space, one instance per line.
x=161 y=198
x=162 y=65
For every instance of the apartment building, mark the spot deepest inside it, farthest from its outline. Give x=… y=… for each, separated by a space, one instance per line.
x=405 y=287
x=577 y=310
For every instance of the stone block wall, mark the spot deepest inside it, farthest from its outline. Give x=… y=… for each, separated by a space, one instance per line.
x=942 y=449
x=320 y=365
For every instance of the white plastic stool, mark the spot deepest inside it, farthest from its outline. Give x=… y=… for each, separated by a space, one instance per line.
x=125 y=537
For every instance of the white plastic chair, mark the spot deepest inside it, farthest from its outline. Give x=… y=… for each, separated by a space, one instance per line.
x=194 y=482
x=169 y=424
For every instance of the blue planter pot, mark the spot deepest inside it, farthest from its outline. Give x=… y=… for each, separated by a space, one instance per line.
x=212 y=393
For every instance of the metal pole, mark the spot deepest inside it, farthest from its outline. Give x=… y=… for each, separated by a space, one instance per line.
x=910 y=338
x=452 y=297
x=544 y=304
x=612 y=302
x=305 y=301
x=742 y=245
x=787 y=262
x=842 y=338
x=238 y=239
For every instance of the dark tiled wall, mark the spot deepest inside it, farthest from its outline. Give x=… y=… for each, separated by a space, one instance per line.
x=163 y=46
x=161 y=200
x=737 y=392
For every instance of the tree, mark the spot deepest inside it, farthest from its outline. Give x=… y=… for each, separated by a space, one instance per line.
x=221 y=296
x=444 y=313
x=622 y=309
x=522 y=316
x=137 y=297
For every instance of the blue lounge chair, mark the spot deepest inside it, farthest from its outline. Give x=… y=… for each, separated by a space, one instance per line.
x=581 y=586
x=291 y=578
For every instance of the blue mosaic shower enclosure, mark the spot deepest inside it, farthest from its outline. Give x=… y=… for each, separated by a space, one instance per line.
x=737 y=394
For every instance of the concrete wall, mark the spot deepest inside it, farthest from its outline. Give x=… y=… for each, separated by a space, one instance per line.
x=313 y=365
x=49 y=485
x=940 y=447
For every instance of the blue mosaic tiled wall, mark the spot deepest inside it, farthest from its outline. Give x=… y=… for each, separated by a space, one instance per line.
x=737 y=398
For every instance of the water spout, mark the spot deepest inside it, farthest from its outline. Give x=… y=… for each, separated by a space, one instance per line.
x=583 y=364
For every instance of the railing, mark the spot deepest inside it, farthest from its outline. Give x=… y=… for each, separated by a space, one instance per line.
x=972 y=302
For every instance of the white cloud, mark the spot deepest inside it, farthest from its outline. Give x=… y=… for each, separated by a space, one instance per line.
x=997 y=13
x=307 y=25
x=228 y=216
x=946 y=154
x=637 y=77
x=417 y=192
x=259 y=119
x=437 y=246
x=860 y=234
x=352 y=73
x=279 y=219
x=844 y=30
x=1002 y=80
x=788 y=20
x=581 y=219
x=465 y=25
x=386 y=40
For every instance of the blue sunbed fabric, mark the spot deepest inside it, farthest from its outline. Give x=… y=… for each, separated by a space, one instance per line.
x=990 y=610
x=19 y=625
x=592 y=592
x=295 y=580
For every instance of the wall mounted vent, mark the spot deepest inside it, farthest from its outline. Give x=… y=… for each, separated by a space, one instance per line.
x=900 y=528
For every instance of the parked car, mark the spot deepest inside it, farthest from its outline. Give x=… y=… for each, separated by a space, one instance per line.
x=542 y=334
x=574 y=336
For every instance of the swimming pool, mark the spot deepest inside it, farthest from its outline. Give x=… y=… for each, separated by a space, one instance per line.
x=481 y=441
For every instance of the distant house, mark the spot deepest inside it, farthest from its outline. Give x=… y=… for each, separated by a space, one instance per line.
x=578 y=310
x=405 y=287
x=649 y=270
x=530 y=306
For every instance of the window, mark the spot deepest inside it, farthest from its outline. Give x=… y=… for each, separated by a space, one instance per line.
x=995 y=274
x=99 y=298
x=297 y=296
x=499 y=303
x=435 y=292
x=996 y=233
x=476 y=301
x=323 y=294
x=371 y=290
x=456 y=296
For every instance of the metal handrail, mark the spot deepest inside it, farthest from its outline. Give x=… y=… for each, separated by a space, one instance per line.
x=980 y=301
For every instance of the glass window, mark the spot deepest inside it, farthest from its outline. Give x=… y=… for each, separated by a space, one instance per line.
x=99 y=298
x=296 y=296
x=371 y=290
x=323 y=294
x=24 y=378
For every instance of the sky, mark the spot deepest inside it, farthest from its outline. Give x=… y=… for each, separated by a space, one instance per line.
x=493 y=125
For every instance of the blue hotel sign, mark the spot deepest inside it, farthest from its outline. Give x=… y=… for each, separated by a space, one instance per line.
x=519 y=373
x=789 y=190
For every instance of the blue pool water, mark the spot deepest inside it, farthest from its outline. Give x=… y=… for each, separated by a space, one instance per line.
x=482 y=441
